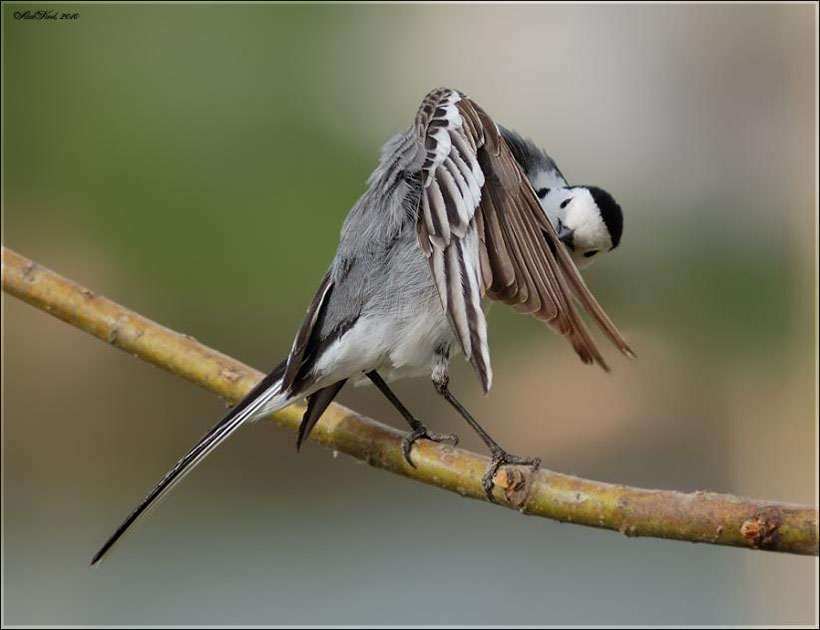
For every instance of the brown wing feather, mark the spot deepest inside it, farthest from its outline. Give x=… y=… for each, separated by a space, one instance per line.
x=514 y=221
x=482 y=228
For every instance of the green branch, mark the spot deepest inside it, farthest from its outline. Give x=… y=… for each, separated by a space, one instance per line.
x=697 y=517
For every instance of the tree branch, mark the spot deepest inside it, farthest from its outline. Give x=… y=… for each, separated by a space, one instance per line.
x=697 y=517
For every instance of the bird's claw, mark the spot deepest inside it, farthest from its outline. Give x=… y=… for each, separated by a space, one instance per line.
x=503 y=458
x=422 y=433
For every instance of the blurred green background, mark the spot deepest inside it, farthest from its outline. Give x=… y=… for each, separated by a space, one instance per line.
x=196 y=162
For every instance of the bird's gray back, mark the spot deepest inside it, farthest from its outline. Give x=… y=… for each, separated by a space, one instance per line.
x=533 y=159
x=379 y=268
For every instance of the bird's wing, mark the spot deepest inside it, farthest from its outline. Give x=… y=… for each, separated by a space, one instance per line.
x=305 y=341
x=482 y=229
x=447 y=225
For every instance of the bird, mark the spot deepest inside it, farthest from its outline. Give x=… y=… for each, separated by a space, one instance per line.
x=459 y=212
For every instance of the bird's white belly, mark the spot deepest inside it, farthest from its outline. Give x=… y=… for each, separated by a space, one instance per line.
x=396 y=347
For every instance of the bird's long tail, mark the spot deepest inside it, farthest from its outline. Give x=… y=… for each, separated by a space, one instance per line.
x=265 y=397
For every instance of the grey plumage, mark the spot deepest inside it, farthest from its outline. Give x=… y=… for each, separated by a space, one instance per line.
x=532 y=158
x=448 y=220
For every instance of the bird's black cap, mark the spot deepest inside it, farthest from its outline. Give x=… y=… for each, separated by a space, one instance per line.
x=610 y=212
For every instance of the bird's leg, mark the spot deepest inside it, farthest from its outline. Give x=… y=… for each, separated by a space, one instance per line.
x=500 y=457
x=418 y=430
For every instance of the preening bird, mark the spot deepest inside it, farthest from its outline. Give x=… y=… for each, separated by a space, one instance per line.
x=459 y=212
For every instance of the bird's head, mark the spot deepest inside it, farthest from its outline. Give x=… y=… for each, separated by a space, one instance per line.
x=587 y=219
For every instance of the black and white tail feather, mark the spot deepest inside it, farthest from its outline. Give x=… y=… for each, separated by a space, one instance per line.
x=265 y=395
x=453 y=183
x=285 y=384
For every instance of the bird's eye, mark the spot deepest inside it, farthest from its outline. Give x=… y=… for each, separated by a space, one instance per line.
x=565 y=202
x=542 y=192
x=590 y=253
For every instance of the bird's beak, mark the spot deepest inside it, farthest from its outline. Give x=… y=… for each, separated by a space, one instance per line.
x=566 y=236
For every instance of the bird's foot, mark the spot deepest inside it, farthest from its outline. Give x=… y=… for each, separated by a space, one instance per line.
x=503 y=458
x=420 y=433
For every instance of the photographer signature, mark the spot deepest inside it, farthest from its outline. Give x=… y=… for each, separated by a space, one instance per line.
x=45 y=15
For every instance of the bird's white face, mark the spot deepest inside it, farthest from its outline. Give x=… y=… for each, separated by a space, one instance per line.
x=589 y=238
x=578 y=220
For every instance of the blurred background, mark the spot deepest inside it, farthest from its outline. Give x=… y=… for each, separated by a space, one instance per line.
x=195 y=163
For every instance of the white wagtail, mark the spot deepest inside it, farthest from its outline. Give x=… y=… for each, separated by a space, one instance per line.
x=451 y=215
